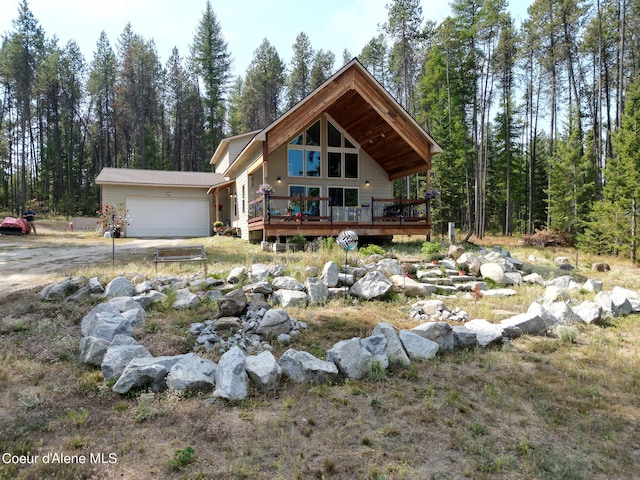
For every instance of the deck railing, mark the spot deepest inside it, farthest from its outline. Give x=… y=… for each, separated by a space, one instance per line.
x=280 y=208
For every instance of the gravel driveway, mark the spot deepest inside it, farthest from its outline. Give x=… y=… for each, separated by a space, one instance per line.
x=29 y=261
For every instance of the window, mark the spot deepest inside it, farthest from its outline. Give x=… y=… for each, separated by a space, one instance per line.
x=342 y=155
x=309 y=207
x=343 y=197
x=303 y=154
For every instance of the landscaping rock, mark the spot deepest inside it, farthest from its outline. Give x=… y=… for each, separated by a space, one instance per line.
x=192 y=374
x=395 y=351
x=120 y=287
x=409 y=287
x=330 y=273
x=372 y=285
x=317 y=291
x=117 y=357
x=290 y=298
x=185 y=299
x=439 y=332
x=463 y=337
x=237 y=274
x=493 y=272
x=259 y=272
x=146 y=372
x=92 y=350
x=62 y=289
x=95 y=286
x=355 y=359
x=231 y=376
x=302 y=367
x=273 y=323
x=233 y=304
x=486 y=333
x=588 y=312
x=418 y=347
x=264 y=371
x=287 y=283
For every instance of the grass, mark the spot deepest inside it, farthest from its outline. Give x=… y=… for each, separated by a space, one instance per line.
x=540 y=407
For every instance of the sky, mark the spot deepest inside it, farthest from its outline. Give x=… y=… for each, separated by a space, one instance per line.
x=331 y=25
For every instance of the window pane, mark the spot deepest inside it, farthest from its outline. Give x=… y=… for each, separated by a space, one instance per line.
x=335 y=197
x=313 y=192
x=294 y=164
x=313 y=134
x=313 y=164
x=334 y=136
x=348 y=144
x=351 y=165
x=351 y=197
x=296 y=191
x=297 y=140
x=334 y=164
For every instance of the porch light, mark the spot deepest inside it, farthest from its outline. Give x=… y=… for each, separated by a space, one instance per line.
x=279 y=180
x=366 y=183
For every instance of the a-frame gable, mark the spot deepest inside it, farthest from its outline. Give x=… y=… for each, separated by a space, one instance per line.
x=370 y=116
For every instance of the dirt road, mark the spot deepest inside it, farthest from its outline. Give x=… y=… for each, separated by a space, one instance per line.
x=28 y=261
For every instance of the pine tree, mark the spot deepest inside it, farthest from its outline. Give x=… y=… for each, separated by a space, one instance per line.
x=212 y=64
x=299 y=82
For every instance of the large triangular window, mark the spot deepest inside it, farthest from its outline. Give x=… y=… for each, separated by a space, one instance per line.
x=342 y=155
x=304 y=153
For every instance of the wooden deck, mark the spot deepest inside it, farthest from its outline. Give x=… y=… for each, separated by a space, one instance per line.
x=315 y=217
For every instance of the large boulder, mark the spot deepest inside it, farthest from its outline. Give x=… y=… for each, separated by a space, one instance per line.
x=290 y=298
x=302 y=367
x=439 y=332
x=355 y=358
x=117 y=358
x=621 y=298
x=463 y=337
x=330 y=274
x=104 y=321
x=486 y=332
x=287 y=283
x=395 y=351
x=494 y=272
x=372 y=285
x=93 y=349
x=62 y=289
x=120 y=287
x=232 y=304
x=259 y=272
x=317 y=291
x=192 y=374
x=264 y=371
x=185 y=299
x=588 y=312
x=409 y=287
x=146 y=372
x=417 y=347
x=231 y=376
x=275 y=321
x=389 y=267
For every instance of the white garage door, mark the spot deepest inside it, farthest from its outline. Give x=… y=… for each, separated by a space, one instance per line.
x=168 y=217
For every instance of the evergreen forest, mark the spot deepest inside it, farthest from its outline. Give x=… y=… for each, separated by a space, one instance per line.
x=539 y=120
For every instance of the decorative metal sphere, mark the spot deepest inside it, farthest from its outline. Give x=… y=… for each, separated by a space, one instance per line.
x=347 y=240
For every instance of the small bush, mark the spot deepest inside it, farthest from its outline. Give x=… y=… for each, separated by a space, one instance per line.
x=372 y=250
x=181 y=458
x=430 y=247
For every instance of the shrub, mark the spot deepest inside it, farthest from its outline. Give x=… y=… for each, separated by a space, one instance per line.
x=430 y=247
x=372 y=250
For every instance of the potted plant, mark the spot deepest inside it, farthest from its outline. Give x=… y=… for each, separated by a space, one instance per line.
x=463 y=268
x=436 y=257
x=217 y=226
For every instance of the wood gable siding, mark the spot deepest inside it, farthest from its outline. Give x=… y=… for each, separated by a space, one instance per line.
x=369 y=116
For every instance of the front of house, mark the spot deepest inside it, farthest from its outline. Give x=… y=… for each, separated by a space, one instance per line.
x=328 y=164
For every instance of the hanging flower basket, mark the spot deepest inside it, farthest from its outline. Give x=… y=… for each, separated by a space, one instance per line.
x=265 y=189
x=431 y=194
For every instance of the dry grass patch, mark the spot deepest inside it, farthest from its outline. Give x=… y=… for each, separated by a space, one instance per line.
x=538 y=407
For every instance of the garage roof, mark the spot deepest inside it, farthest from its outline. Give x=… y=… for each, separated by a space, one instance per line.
x=165 y=178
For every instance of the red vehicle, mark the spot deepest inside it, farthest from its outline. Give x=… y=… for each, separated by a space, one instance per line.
x=13 y=226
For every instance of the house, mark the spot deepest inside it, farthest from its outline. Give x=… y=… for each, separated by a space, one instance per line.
x=330 y=163
x=161 y=203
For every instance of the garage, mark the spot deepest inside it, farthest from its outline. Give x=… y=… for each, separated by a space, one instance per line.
x=168 y=217
x=161 y=203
